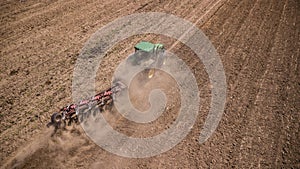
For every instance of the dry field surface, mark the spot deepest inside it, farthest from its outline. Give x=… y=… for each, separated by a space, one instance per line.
x=258 y=42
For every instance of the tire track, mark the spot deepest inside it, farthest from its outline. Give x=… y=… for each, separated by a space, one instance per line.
x=254 y=127
x=287 y=77
x=262 y=80
x=263 y=48
x=243 y=31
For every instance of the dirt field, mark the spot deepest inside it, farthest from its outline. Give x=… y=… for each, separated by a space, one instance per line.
x=258 y=42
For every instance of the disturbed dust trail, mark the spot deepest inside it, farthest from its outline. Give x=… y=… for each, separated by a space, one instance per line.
x=258 y=42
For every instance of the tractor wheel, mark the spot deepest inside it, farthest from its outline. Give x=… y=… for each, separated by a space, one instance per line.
x=164 y=61
x=151 y=73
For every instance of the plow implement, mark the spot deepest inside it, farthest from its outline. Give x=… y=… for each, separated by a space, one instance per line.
x=70 y=114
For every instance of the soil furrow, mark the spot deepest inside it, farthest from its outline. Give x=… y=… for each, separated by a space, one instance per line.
x=258 y=42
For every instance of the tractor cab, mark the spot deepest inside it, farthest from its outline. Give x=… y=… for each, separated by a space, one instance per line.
x=146 y=54
x=148 y=47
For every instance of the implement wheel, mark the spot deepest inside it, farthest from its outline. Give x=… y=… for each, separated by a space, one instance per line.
x=57 y=121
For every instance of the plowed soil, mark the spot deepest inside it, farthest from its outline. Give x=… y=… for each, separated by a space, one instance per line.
x=258 y=42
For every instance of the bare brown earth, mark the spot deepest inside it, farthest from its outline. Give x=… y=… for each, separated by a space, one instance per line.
x=258 y=42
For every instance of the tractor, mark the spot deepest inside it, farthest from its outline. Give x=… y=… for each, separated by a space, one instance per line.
x=148 y=55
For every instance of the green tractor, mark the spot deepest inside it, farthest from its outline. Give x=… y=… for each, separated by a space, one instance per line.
x=148 y=55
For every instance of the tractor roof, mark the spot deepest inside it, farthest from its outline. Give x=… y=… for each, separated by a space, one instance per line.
x=146 y=46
